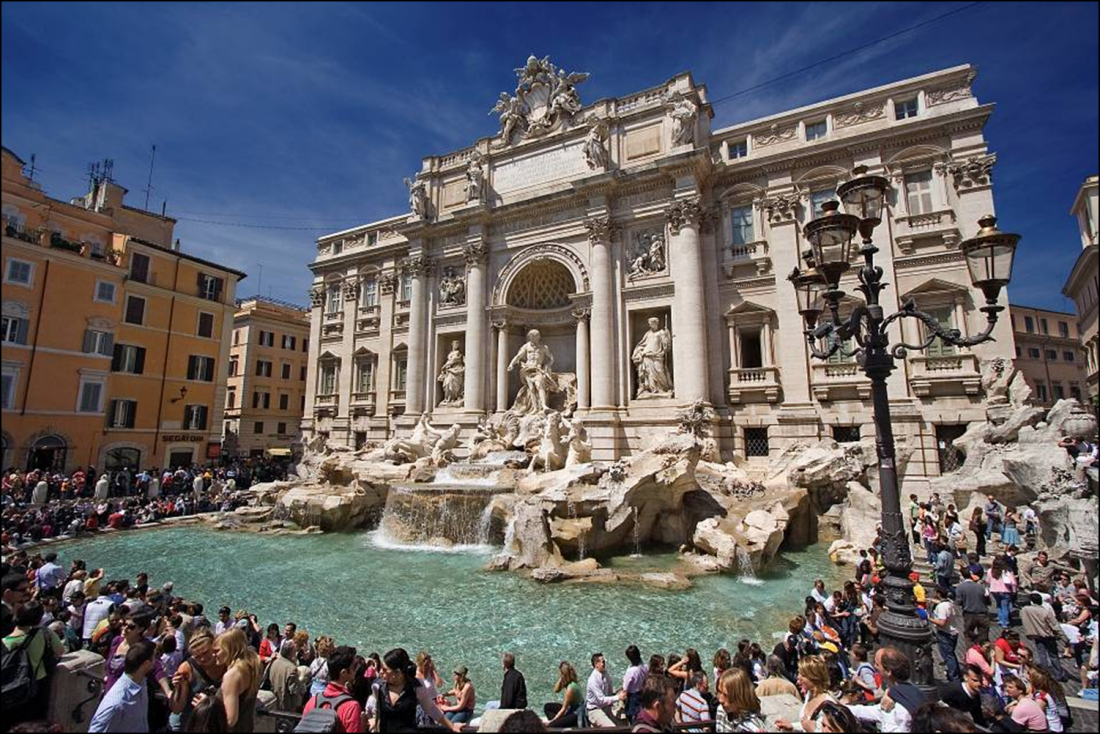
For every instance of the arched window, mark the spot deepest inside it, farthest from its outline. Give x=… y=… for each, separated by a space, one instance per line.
x=123 y=458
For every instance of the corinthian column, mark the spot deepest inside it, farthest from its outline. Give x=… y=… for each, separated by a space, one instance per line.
x=477 y=255
x=419 y=268
x=603 y=314
x=689 y=329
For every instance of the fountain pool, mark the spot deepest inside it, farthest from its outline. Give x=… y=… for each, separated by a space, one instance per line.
x=375 y=597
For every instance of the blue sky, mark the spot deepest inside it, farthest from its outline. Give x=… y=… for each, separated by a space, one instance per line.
x=309 y=115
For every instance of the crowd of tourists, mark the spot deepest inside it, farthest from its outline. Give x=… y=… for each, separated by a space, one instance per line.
x=39 y=505
x=170 y=666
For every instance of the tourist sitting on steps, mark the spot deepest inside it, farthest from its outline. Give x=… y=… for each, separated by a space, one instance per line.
x=566 y=714
x=600 y=696
x=462 y=711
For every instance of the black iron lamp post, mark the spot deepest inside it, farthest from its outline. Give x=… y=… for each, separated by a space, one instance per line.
x=989 y=257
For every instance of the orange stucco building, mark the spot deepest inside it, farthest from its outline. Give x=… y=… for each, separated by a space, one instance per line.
x=115 y=343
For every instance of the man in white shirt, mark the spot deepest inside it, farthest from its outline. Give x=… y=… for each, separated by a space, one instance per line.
x=819 y=594
x=95 y=612
x=50 y=575
x=600 y=696
x=943 y=620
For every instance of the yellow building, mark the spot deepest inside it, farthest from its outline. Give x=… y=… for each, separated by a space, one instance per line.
x=115 y=343
x=1049 y=353
x=267 y=378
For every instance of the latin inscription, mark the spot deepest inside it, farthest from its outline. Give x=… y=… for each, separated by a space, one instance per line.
x=550 y=164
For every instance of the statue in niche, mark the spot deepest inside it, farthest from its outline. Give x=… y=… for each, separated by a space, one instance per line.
x=595 y=154
x=475 y=179
x=684 y=113
x=453 y=376
x=452 y=288
x=534 y=361
x=650 y=355
x=648 y=255
x=418 y=196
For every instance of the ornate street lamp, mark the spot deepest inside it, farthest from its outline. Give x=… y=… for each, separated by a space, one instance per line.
x=989 y=257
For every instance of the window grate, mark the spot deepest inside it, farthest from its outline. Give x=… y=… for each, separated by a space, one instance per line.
x=756 y=442
x=846 y=434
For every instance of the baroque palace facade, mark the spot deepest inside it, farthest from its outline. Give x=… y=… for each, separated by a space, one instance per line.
x=651 y=253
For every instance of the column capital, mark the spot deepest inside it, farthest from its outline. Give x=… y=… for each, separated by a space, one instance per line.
x=387 y=282
x=499 y=324
x=418 y=265
x=710 y=219
x=351 y=288
x=780 y=208
x=600 y=229
x=582 y=313
x=684 y=213
x=316 y=296
x=476 y=253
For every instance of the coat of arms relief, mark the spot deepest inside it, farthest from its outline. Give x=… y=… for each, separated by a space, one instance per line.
x=545 y=99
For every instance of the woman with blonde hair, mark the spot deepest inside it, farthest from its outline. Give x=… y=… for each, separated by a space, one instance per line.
x=305 y=652
x=813 y=679
x=200 y=673
x=1046 y=692
x=240 y=684
x=564 y=715
x=738 y=706
x=318 y=667
x=465 y=698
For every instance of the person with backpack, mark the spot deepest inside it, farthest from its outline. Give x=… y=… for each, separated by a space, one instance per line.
x=335 y=709
x=31 y=653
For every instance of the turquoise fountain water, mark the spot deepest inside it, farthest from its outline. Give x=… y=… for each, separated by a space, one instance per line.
x=375 y=597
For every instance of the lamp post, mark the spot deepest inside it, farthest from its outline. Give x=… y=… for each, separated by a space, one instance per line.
x=989 y=257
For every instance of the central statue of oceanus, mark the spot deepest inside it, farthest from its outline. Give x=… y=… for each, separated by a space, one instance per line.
x=535 y=361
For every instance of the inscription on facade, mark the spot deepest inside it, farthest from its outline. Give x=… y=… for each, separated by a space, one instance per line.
x=549 y=164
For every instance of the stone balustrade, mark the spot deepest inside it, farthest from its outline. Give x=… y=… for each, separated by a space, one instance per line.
x=754 y=384
x=940 y=224
x=949 y=374
x=836 y=380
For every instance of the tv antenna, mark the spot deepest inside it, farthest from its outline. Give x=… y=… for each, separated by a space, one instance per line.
x=32 y=168
x=149 y=184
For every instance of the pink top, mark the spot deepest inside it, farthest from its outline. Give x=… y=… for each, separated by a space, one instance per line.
x=1006 y=584
x=974 y=656
x=1029 y=714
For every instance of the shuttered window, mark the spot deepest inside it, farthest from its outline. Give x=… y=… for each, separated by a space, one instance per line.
x=123 y=413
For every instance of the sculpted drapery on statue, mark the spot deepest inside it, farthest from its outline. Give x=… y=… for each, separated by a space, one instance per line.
x=684 y=113
x=534 y=361
x=650 y=356
x=475 y=179
x=418 y=196
x=453 y=376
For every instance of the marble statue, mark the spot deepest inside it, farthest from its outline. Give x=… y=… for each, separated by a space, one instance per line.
x=475 y=179
x=545 y=98
x=580 y=448
x=684 y=113
x=650 y=356
x=453 y=376
x=997 y=374
x=452 y=288
x=418 y=196
x=511 y=111
x=551 y=453
x=443 y=449
x=535 y=361
x=648 y=254
x=416 y=446
x=595 y=154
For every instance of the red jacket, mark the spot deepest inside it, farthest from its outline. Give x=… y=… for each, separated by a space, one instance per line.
x=349 y=713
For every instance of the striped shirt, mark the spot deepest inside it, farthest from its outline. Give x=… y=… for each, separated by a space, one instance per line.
x=692 y=707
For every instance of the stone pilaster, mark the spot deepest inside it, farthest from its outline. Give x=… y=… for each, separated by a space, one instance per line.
x=784 y=242
x=689 y=314
x=316 y=301
x=477 y=344
x=600 y=230
x=583 y=395
x=502 y=365
x=419 y=268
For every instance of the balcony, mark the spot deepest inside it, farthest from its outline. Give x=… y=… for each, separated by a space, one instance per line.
x=840 y=381
x=326 y=404
x=369 y=319
x=936 y=224
x=362 y=403
x=754 y=384
x=94 y=250
x=750 y=253
x=952 y=374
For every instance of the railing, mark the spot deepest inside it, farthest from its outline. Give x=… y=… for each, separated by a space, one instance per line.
x=839 y=375
x=749 y=250
x=20 y=232
x=912 y=226
x=951 y=371
x=753 y=374
x=95 y=690
x=327 y=399
x=285 y=722
x=748 y=384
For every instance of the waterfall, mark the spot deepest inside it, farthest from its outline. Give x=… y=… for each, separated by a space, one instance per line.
x=572 y=508
x=745 y=570
x=429 y=517
x=637 y=536
x=468 y=475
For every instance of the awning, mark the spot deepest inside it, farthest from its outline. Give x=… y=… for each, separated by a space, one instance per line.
x=278 y=452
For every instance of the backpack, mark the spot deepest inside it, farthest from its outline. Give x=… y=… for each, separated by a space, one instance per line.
x=20 y=680
x=319 y=719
